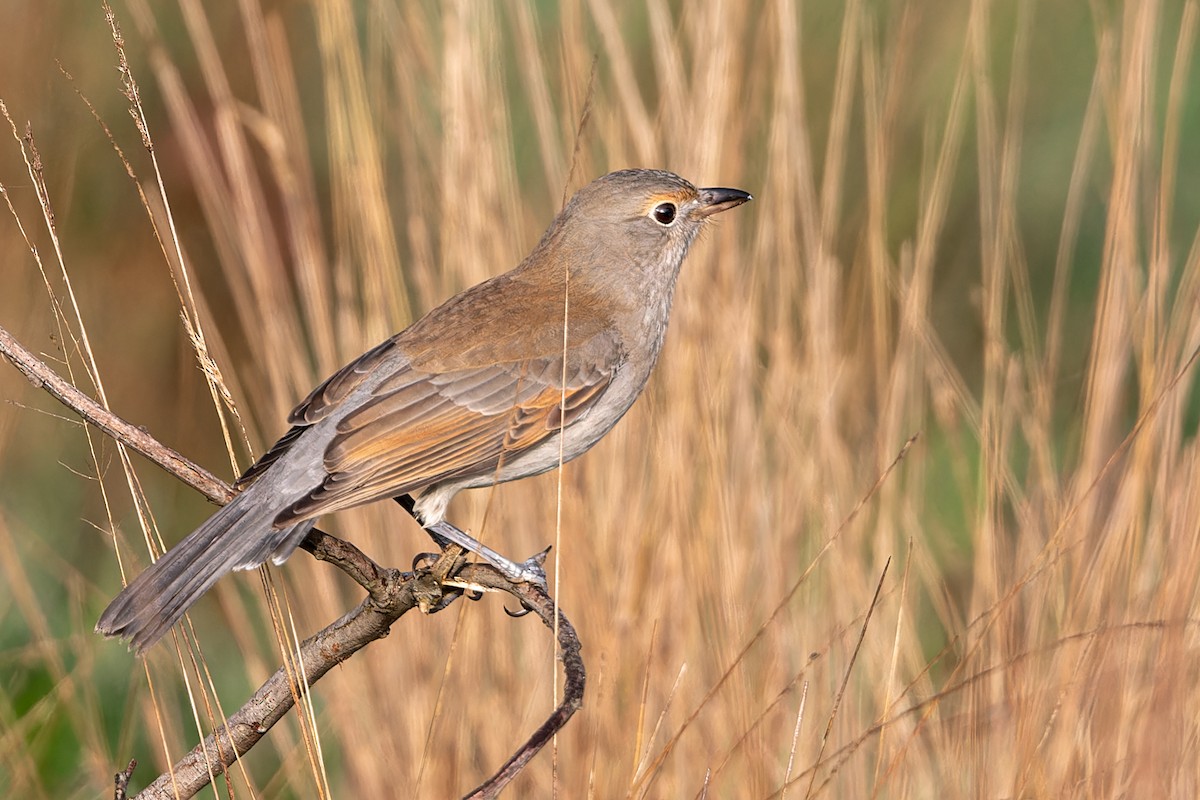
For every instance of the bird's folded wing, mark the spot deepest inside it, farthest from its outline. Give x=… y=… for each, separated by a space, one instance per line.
x=319 y=403
x=418 y=428
x=337 y=386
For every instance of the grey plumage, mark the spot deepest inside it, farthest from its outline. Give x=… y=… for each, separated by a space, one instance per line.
x=239 y=536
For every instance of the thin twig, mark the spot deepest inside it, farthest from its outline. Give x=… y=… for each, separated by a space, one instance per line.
x=92 y=412
x=121 y=780
x=837 y=700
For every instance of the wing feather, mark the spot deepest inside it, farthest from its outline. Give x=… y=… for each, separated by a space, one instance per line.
x=339 y=385
x=418 y=428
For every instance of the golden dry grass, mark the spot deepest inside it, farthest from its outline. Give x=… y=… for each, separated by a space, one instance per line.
x=331 y=171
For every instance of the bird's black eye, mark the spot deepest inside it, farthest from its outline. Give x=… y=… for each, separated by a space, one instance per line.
x=664 y=213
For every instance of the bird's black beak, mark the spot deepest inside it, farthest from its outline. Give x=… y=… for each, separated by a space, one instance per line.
x=714 y=201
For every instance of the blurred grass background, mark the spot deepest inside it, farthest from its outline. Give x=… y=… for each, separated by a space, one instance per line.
x=973 y=221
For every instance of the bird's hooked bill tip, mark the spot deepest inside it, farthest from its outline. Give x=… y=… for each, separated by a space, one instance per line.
x=715 y=200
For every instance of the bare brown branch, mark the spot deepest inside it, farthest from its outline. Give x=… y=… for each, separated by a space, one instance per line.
x=41 y=376
x=390 y=595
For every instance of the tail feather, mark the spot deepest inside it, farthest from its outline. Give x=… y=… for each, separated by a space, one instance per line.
x=239 y=536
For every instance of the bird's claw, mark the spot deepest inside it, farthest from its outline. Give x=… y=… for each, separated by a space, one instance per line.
x=423 y=561
x=522 y=611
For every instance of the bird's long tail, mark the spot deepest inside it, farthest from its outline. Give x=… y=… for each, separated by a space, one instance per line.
x=239 y=536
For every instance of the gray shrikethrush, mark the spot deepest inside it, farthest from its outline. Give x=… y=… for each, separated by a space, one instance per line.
x=472 y=394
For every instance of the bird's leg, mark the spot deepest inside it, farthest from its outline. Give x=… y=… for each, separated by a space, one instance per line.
x=528 y=571
x=444 y=534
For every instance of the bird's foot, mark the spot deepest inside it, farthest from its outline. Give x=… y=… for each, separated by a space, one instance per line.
x=531 y=570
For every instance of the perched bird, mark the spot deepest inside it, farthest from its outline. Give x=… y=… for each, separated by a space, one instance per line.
x=474 y=393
